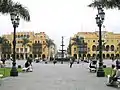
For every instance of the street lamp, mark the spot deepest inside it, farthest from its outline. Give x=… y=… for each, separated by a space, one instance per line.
x=99 y=21
x=15 y=21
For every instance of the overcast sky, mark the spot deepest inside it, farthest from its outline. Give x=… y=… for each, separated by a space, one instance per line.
x=61 y=18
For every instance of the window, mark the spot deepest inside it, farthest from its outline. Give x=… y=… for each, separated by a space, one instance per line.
x=17 y=50
x=21 y=49
x=25 y=49
x=43 y=42
x=112 y=47
x=28 y=36
x=18 y=36
x=75 y=49
x=35 y=41
x=93 y=40
x=22 y=36
x=94 y=48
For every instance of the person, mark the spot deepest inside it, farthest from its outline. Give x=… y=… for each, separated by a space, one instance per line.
x=54 y=61
x=71 y=62
x=93 y=64
x=27 y=64
x=115 y=72
x=29 y=60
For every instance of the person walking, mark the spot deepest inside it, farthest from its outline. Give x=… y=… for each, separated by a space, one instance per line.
x=71 y=62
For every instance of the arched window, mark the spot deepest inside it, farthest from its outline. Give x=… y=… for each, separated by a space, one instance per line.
x=28 y=36
x=18 y=36
x=107 y=47
x=94 y=48
x=35 y=41
x=21 y=36
x=112 y=47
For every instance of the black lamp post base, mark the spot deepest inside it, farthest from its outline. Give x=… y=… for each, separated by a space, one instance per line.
x=100 y=73
x=14 y=71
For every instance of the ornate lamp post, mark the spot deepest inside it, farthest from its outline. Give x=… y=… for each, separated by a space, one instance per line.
x=15 y=21
x=99 y=21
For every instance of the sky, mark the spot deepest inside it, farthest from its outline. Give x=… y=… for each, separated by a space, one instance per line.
x=59 y=18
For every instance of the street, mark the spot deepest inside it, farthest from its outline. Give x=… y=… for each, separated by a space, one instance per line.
x=56 y=77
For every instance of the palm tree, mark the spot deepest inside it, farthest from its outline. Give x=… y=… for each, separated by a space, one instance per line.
x=25 y=43
x=49 y=43
x=78 y=41
x=8 y=6
x=106 y=3
x=5 y=46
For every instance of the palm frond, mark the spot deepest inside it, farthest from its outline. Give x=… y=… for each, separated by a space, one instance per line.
x=5 y=6
x=23 y=12
x=25 y=41
x=8 y=6
x=106 y=4
x=49 y=42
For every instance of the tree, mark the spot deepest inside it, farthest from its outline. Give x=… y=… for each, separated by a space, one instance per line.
x=5 y=47
x=106 y=3
x=81 y=45
x=25 y=43
x=8 y=6
x=37 y=49
x=49 y=43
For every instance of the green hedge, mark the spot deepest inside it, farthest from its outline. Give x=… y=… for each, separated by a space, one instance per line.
x=6 y=71
x=107 y=71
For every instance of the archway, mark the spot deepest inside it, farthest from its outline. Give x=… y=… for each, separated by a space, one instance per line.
x=94 y=55
x=97 y=56
x=108 y=56
x=26 y=55
x=8 y=56
x=17 y=56
x=94 y=48
x=75 y=55
x=4 y=55
x=80 y=55
x=30 y=55
x=39 y=55
x=21 y=56
x=112 y=56
x=107 y=47
x=88 y=56
x=103 y=56
x=43 y=56
x=117 y=55
x=112 y=47
x=35 y=55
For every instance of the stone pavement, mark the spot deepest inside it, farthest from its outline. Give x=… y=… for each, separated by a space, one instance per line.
x=56 y=77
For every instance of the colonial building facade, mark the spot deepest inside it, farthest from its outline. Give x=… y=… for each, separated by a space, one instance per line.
x=37 y=47
x=90 y=45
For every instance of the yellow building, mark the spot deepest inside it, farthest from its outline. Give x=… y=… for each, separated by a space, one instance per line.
x=36 y=48
x=110 y=42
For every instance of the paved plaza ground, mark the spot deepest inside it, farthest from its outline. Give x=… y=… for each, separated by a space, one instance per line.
x=56 y=77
